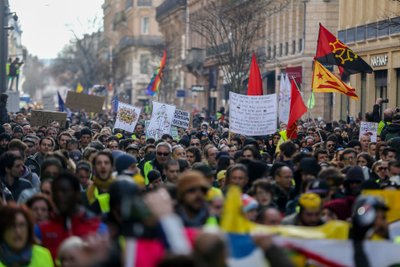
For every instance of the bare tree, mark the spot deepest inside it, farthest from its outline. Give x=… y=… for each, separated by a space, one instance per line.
x=231 y=28
x=35 y=73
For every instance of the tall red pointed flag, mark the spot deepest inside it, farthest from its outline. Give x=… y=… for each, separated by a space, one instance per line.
x=330 y=50
x=297 y=109
x=255 y=81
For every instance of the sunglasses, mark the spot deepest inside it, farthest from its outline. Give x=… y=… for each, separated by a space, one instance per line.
x=382 y=169
x=162 y=154
x=203 y=190
x=195 y=144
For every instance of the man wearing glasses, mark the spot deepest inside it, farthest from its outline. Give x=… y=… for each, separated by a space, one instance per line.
x=163 y=154
x=195 y=142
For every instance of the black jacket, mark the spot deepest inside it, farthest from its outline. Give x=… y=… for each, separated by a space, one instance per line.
x=390 y=131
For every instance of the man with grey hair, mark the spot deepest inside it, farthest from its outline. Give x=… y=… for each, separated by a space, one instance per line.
x=163 y=154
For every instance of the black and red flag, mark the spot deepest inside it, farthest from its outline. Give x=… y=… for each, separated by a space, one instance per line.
x=330 y=50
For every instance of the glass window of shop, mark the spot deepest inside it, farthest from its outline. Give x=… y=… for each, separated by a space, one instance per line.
x=398 y=87
x=381 y=85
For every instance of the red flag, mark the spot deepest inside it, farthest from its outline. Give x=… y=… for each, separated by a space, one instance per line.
x=255 y=81
x=330 y=50
x=297 y=109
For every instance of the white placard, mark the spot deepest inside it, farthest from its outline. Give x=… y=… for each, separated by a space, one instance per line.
x=252 y=115
x=369 y=128
x=127 y=117
x=161 y=120
x=181 y=119
x=284 y=98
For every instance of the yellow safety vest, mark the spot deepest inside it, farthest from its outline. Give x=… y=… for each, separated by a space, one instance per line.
x=103 y=199
x=40 y=257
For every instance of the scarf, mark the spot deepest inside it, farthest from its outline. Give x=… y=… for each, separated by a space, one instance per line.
x=100 y=185
x=11 y=258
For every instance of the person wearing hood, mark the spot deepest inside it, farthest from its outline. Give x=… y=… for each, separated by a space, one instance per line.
x=392 y=130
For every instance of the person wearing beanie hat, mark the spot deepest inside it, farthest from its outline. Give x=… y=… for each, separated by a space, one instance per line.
x=309 y=211
x=125 y=162
x=4 y=140
x=354 y=179
x=249 y=207
x=221 y=176
x=155 y=180
x=192 y=188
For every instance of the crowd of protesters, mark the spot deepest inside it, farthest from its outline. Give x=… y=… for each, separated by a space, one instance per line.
x=70 y=195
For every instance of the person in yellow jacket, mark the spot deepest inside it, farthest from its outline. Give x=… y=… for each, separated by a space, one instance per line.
x=17 y=246
x=96 y=197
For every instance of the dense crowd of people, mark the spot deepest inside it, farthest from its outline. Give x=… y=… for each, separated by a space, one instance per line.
x=73 y=195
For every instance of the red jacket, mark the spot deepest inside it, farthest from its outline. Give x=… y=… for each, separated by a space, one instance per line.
x=54 y=231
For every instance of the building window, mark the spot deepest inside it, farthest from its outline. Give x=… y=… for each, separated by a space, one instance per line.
x=144 y=3
x=398 y=87
x=383 y=28
x=360 y=35
x=342 y=36
x=293 y=47
x=274 y=52
x=286 y=48
x=144 y=25
x=372 y=30
x=381 y=86
x=128 y=3
x=351 y=35
x=395 y=25
x=269 y=52
x=144 y=63
x=300 y=45
x=280 y=49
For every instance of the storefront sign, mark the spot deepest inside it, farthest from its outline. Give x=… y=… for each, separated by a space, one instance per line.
x=379 y=61
x=296 y=73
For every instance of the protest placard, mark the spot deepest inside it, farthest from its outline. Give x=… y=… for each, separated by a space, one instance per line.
x=161 y=120
x=370 y=129
x=181 y=119
x=80 y=101
x=252 y=115
x=45 y=118
x=127 y=117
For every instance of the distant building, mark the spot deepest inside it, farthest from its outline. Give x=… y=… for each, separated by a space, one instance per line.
x=135 y=45
x=372 y=29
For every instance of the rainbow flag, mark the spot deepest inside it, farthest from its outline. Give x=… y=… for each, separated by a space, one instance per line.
x=155 y=81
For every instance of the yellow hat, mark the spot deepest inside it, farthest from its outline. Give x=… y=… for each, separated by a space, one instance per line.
x=221 y=175
x=214 y=193
x=310 y=201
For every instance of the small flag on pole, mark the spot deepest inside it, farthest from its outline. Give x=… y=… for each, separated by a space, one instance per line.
x=155 y=81
x=311 y=101
x=61 y=104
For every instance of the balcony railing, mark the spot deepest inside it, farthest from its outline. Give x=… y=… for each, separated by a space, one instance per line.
x=168 y=6
x=139 y=41
x=144 y=3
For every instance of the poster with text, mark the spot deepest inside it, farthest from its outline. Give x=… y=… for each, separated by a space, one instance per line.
x=370 y=129
x=127 y=117
x=161 y=120
x=181 y=119
x=253 y=115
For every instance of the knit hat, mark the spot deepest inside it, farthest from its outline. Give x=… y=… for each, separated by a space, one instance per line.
x=133 y=146
x=5 y=136
x=355 y=175
x=191 y=179
x=309 y=165
x=18 y=129
x=123 y=162
x=221 y=175
x=310 y=201
x=84 y=165
x=153 y=175
x=75 y=155
x=248 y=203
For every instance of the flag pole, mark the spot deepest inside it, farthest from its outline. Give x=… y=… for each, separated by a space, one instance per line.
x=312 y=118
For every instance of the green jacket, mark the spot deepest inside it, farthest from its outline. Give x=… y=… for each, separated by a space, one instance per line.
x=40 y=257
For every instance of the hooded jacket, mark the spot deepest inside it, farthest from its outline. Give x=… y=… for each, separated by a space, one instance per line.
x=390 y=131
x=31 y=177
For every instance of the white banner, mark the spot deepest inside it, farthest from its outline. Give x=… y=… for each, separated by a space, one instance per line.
x=127 y=117
x=252 y=115
x=161 y=120
x=181 y=119
x=370 y=129
x=284 y=98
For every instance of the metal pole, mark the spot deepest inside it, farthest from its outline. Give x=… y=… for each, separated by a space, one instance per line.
x=4 y=10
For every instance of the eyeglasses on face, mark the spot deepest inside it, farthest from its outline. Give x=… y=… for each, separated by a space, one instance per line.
x=195 y=144
x=163 y=154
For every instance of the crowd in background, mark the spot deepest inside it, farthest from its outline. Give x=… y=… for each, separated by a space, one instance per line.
x=72 y=194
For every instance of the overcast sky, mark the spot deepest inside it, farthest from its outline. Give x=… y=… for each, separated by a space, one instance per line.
x=47 y=24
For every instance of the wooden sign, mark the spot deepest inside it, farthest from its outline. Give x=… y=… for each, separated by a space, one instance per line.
x=45 y=118
x=88 y=103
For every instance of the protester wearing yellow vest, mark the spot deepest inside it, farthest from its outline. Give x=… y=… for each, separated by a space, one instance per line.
x=16 y=240
x=97 y=197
